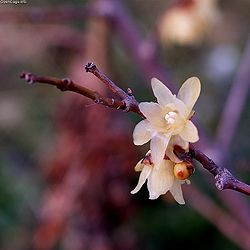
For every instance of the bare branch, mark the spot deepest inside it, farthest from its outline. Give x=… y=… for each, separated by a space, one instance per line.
x=129 y=100
x=223 y=177
x=126 y=102
x=68 y=85
x=91 y=67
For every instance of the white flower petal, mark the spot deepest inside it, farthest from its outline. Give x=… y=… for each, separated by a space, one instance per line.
x=162 y=93
x=139 y=166
x=172 y=156
x=142 y=179
x=177 y=140
x=189 y=92
x=158 y=145
x=176 y=191
x=181 y=107
x=152 y=112
x=142 y=132
x=190 y=132
x=160 y=180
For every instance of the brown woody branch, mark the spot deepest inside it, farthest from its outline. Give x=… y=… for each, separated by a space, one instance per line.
x=223 y=177
x=68 y=85
x=127 y=102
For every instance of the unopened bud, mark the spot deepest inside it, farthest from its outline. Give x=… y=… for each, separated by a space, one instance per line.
x=183 y=170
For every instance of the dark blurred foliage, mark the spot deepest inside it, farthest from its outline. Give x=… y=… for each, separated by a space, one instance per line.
x=67 y=165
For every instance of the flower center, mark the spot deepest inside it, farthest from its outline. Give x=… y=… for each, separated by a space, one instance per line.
x=174 y=122
x=171 y=117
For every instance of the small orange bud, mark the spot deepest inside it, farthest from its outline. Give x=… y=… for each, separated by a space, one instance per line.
x=183 y=170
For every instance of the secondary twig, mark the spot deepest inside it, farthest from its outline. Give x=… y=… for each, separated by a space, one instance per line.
x=130 y=102
x=91 y=67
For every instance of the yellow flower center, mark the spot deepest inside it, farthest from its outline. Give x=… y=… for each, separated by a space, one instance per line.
x=171 y=117
x=175 y=122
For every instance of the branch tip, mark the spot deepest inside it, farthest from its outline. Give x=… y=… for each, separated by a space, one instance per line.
x=90 y=67
x=28 y=77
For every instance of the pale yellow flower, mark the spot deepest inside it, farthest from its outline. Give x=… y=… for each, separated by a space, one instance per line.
x=190 y=23
x=168 y=118
x=160 y=180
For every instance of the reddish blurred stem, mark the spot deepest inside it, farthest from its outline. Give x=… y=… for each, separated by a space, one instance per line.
x=227 y=126
x=142 y=52
x=234 y=105
x=223 y=221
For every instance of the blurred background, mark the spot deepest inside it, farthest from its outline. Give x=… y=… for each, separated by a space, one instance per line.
x=67 y=165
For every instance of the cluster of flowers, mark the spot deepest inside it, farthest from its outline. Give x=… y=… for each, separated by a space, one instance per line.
x=167 y=124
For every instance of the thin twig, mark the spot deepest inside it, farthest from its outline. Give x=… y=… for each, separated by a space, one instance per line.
x=68 y=85
x=127 y=102
x=91 y=67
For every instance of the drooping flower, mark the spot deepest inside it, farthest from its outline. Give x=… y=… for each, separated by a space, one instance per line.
x=160 y=180
x=176 y=140
x=169 y=118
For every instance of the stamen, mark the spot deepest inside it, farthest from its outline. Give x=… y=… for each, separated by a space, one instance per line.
x=170 y=117
x=171 y=120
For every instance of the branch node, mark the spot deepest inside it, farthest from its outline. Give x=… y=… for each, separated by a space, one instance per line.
x=219 y=182
x=66 y=81
x=129 y=91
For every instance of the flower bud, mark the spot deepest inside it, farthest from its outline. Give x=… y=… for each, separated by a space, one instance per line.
x=183 y=170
